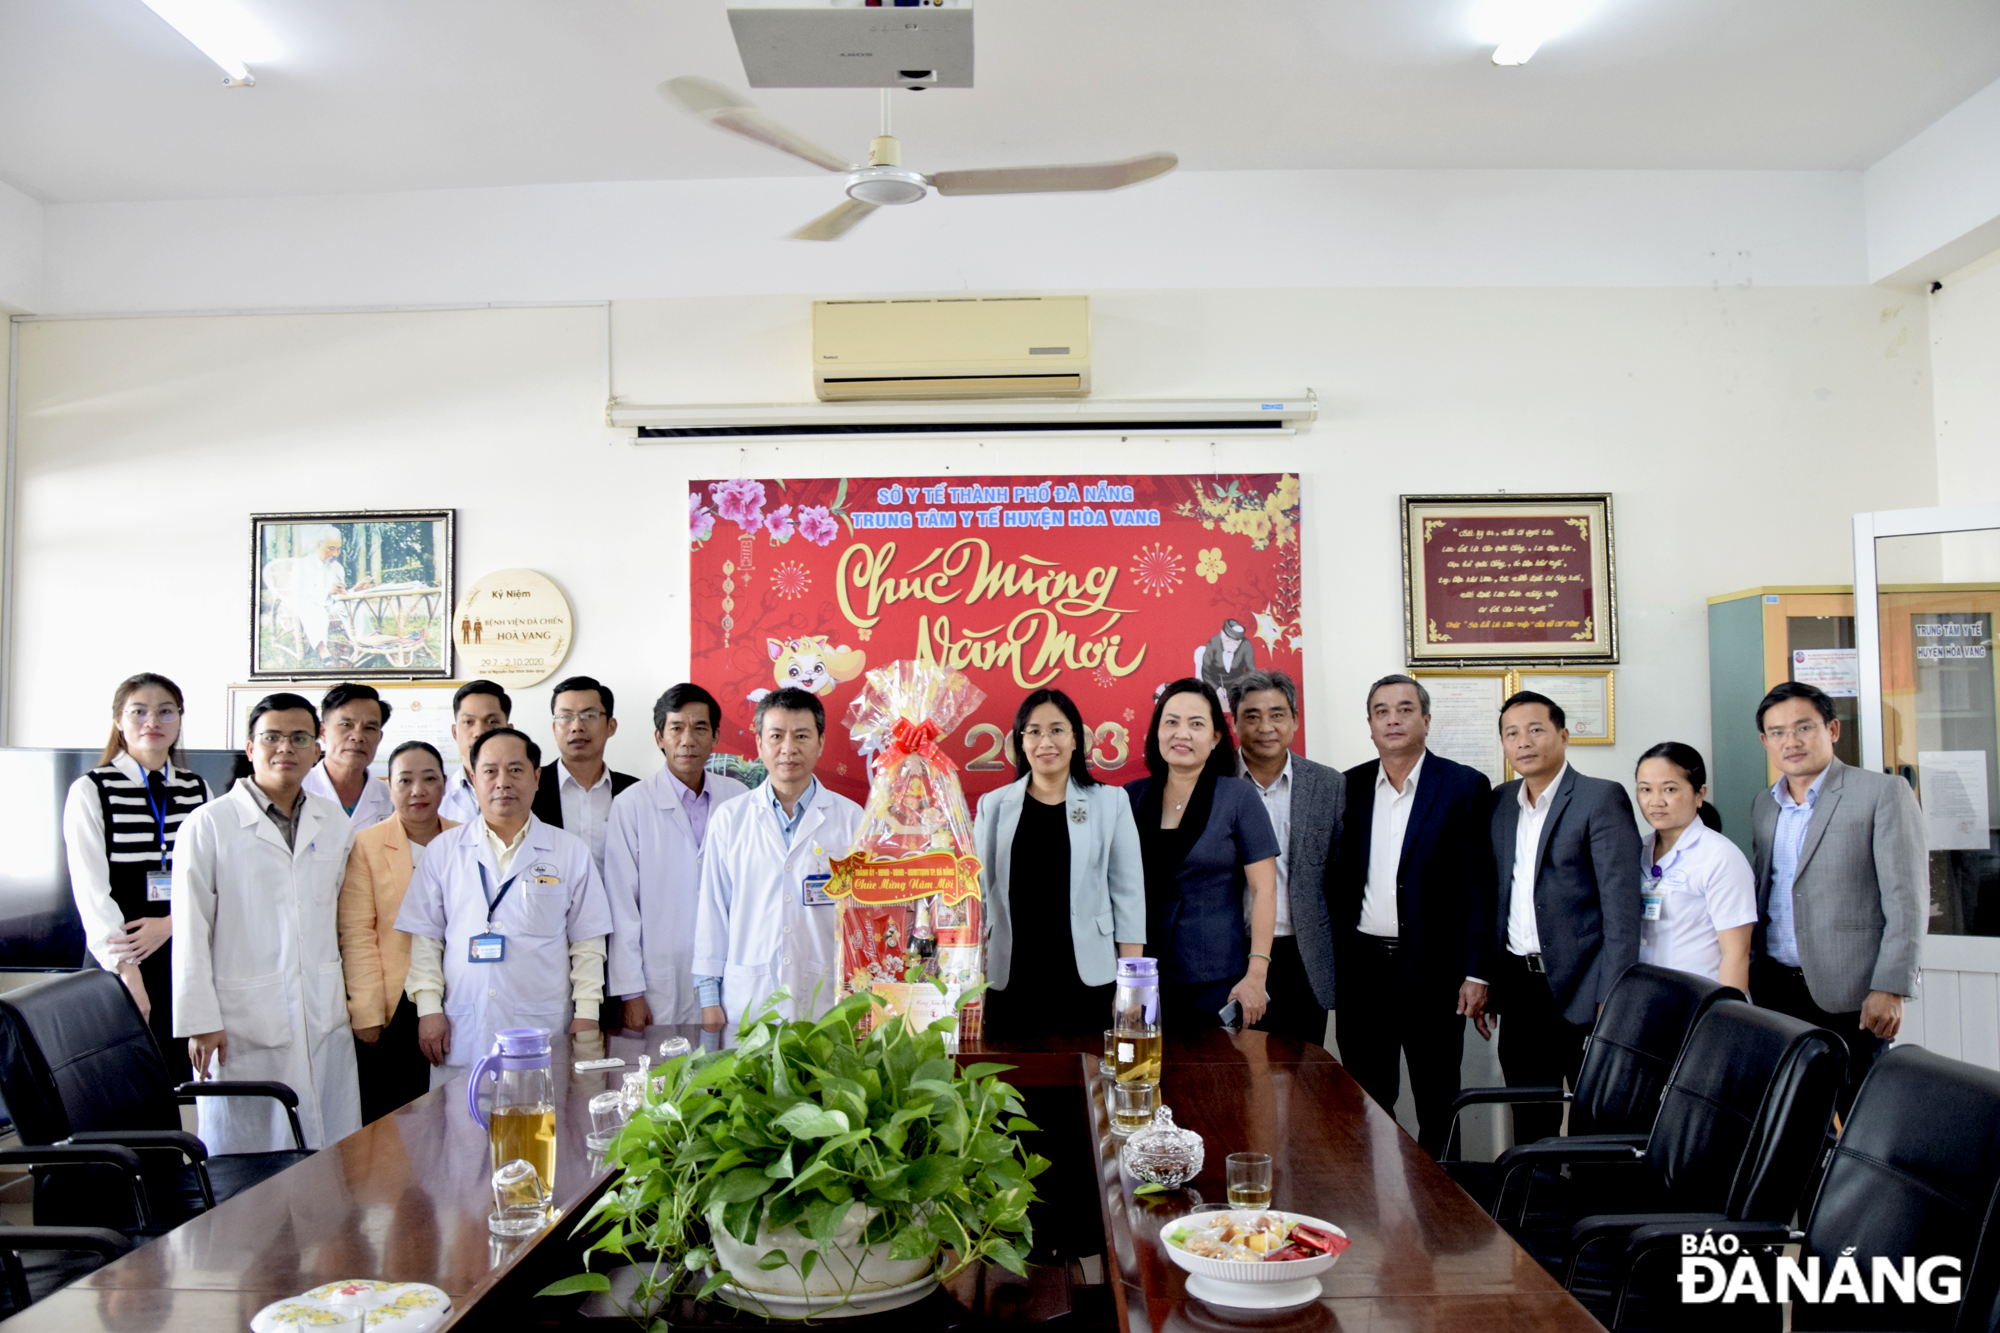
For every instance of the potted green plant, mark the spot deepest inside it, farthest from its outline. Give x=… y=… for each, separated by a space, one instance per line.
x=810 y=1166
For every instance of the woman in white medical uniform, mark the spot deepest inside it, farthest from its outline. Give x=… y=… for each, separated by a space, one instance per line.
x=1698 y=897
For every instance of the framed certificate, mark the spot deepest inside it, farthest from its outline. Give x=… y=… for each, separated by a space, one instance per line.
x=1465 y=718
x=1587 y=697
x=1511 y=580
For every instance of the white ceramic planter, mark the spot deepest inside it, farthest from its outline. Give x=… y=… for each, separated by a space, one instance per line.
x=844 y=1266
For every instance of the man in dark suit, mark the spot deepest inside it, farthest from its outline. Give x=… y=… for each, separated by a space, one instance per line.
x=576 y=790
x=1304 y=802
x=1411 y=904
x=1843 y=884
x=1566 y=857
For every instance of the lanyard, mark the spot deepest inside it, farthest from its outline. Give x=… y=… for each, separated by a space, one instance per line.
x=486 y=888
x=159 y=822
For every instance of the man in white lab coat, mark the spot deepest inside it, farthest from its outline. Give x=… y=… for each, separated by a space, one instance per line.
x=652 y=862
x=506 y=918
x=350 y=730
x=765 y=919
x=258 y=990
x=477 y=708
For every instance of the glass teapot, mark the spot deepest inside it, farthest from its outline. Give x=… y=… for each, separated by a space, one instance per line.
x=522 y=1124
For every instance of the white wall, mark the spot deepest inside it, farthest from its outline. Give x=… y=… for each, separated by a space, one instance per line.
x=1229 y=229
x=20 y=251
x=1933 y=205
x=1965 y=358
x=1708 y=413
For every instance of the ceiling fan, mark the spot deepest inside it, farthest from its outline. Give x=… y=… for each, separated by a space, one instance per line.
x=884 y=179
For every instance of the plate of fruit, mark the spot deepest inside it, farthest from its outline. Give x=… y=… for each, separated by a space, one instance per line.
x=1254 y=1258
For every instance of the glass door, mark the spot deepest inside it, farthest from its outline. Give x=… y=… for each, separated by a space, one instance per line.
x=1927 y=602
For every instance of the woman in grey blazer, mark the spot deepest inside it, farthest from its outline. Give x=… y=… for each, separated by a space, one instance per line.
x=1064 y=886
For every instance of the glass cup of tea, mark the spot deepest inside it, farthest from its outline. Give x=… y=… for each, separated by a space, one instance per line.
x=1107 y=1064
x=1249 y=1179
x=1132 y=1106
x=520 y=1208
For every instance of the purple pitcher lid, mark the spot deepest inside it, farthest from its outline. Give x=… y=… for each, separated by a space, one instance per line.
x=1138 y=969
x=522 y=1047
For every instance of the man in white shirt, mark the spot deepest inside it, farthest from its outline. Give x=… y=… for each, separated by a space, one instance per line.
x=1566 y=857
x=1304 y=801
x=577 y=789
x=351 y=719
x=652 y=863
x=506 y=918
x=765 y=919
x=1411 y=909
x=477 y=708
x=257 y=981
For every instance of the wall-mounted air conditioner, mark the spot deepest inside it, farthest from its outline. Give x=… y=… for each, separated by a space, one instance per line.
x=952 y=347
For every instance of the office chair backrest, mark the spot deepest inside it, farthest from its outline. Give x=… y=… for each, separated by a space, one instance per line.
x=1745 y=1112
x=1980 y=1311
x=75 y=1056
x=1913 y=1174
x=1626 y=1060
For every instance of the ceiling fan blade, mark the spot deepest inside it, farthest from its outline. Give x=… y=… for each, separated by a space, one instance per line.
x=1030 y=180
x=833 y=225
x=726 y=111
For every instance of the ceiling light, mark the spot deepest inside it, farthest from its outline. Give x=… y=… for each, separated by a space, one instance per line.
x=222 y=31
x=1517 y=28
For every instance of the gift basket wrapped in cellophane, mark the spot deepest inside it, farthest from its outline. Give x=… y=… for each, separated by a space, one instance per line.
x=911 y=926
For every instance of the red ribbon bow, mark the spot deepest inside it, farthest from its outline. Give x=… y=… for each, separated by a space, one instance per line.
x=907 y=738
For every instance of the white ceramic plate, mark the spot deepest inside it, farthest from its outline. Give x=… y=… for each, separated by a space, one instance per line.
x=1241 y=1274
x=393 y=1307
x=1254 y=1295
x=828 y=1307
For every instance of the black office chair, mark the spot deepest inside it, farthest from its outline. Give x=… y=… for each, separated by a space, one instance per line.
x=80 y=1070
x=1741 y=1125
x=1979 y=1312
x=1626 y=1059
x=35 y=1261
x=1914 y=1173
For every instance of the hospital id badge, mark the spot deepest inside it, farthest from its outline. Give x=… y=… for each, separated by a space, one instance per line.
x=159 y=886
x=812 y=891
x=487 y=948
x=1649 y=906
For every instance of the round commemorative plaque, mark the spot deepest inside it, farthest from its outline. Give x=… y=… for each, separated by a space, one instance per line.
x=512 y=626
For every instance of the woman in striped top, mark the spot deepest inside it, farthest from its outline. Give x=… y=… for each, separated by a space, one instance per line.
x=119 y=825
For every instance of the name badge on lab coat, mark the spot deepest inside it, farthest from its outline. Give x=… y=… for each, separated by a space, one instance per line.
x=487 y=948
x=159 y=886
x=1649 y=906
x=812 y=891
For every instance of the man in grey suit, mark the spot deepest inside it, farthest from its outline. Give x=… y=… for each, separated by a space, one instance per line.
x=1566 y=857
x=1304 y=802
x=1843 y=884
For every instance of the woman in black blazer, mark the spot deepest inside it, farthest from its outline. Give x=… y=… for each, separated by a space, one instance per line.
x=1204 y=837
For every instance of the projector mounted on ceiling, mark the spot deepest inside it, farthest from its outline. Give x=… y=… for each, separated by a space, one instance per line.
x=884 y=179
x=852 y=44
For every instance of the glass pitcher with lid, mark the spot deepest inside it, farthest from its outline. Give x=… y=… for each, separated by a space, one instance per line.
x=522 y=1123
x=1135 y=1021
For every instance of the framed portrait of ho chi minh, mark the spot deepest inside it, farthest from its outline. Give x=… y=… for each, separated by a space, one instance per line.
x=351 y=596
x=1509 y=580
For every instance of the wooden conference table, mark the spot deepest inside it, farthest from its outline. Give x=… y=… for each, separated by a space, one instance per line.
x=406 y=1200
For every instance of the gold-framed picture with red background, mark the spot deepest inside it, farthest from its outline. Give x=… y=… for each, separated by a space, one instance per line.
x=1509 y=580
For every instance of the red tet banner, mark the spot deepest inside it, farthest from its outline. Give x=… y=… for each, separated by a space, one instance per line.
x=1104 y=589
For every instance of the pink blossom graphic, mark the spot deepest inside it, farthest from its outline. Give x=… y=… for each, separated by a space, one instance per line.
x=701 y=519
x=816 y=525
x=741 y=502
x=779 y=523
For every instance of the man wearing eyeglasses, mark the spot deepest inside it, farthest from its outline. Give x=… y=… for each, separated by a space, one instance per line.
x=258 y=993
x=576 y=790
x=1843 y=883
